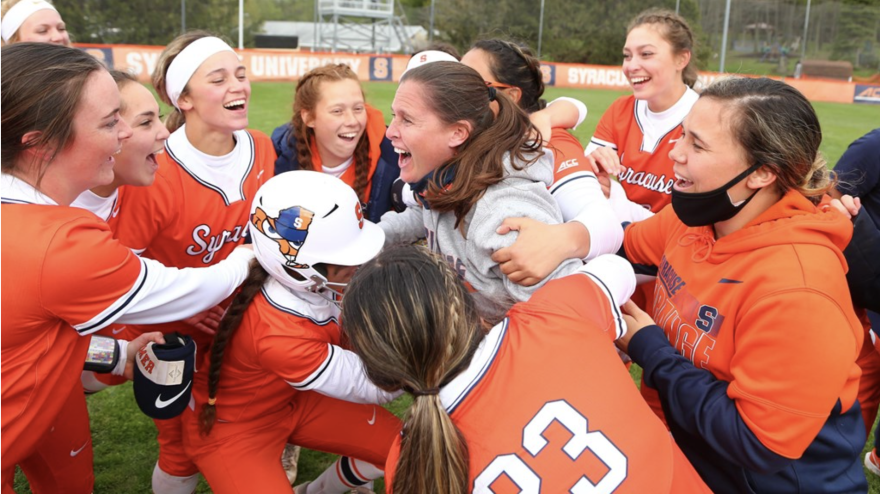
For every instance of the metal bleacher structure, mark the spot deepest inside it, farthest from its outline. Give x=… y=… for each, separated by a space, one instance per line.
x=361 y=25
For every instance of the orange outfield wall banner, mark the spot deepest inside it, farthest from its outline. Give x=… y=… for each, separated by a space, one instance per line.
x=289 y=65
x=262 y=65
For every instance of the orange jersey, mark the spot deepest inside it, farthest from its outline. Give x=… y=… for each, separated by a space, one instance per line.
x=571 y=414
x=106 y=208
x=765 y=309
x=568 y=156
x=273 y=390
x=183 y=219
x=65 y=277
x=274 y=351
x=629 y=128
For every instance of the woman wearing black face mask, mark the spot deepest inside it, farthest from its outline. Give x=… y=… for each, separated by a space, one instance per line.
x=754 y=346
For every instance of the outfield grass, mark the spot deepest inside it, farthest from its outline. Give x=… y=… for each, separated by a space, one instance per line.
x=841 y=123
x=124 y=439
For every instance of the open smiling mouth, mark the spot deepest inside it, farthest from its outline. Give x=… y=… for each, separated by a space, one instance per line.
x=682 y=183
x=404 y=157
x=636 y=81
x=235 y=105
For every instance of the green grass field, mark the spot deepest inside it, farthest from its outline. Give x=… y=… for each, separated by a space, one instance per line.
x=124 y=439
x=841 y=124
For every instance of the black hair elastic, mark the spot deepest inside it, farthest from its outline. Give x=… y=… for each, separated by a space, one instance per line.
x=492 y=93
x=427 y=392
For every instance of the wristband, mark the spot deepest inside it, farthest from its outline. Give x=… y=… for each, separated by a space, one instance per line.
x=103 y=354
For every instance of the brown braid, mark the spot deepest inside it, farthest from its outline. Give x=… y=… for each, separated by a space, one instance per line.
x=230 y=323
x=306 y=98
x=362 y=168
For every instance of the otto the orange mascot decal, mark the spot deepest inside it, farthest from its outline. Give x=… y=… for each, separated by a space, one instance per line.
x=289 y=229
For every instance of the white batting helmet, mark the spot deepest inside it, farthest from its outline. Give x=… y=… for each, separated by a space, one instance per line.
x=300 y=219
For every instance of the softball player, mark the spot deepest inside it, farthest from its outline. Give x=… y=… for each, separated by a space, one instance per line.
x=411 y=320
x=277 y=371
x=195 y=213
x=69 y=277
x=636 y=134
x=32 y=20
x=335 y=131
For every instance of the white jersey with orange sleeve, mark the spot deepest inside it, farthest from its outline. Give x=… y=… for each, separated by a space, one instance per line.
x=71 y=278
x=643 y=140
x=579 y=196
x=560 y=433
x=196 y=211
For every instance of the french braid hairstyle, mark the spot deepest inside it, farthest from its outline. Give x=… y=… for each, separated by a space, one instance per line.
x=306 y=98
x=455 y=92
x=414 y=325
x=777 y=127
x=230 y=323
x=676 y=31
x=515 y=65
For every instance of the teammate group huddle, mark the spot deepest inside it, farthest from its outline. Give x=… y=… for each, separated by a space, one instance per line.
x=511 y=329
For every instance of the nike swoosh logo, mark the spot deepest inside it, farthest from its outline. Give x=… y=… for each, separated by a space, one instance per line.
x=160 y=403
x=372 y=420
x=673 y=141
x=729 y=281
x=260 y=174
x=114 y=213
x=117 y=331
x=76 y=452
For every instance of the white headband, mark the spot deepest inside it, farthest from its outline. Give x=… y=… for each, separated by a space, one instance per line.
x=427 y=56
x=188 y=61
x=19 y=13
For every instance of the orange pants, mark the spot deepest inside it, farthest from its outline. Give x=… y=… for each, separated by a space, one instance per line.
x=62 y=460
x=246 y=458
x=173 y=458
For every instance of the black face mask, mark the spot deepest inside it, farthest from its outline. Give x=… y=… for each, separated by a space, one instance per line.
x=706 y=208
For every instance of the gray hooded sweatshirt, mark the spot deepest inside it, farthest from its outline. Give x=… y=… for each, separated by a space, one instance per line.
x=522 y=193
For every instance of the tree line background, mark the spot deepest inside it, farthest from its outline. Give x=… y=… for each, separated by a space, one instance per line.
x=578 y=31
